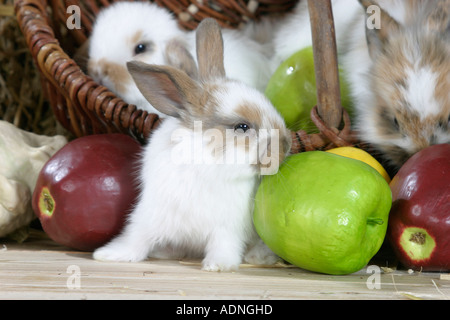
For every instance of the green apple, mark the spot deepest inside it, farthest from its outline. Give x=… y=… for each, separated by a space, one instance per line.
x=292 y=90
x=323 y=212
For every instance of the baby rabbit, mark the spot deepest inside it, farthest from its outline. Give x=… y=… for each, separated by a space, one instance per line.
x=196 y=198
x=402 y=91
x=127 y=31
x=140 y=31
x=399 y=73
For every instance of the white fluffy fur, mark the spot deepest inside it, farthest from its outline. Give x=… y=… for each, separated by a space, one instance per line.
x=190 y=210
x=111 y=41
x=115 y=26
x=294 y=32
x=422 y=82
x=197 y=209
x=178 y=214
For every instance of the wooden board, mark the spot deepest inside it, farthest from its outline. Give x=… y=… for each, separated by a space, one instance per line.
x=41 y=269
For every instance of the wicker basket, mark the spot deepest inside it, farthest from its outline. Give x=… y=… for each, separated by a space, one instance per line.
x=84 y=107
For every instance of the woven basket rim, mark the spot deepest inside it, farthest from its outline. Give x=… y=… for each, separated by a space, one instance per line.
x=77 y=88
x=92 y=108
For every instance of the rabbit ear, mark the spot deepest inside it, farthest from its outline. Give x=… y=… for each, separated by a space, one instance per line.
x=378 y=37
x=209 y=44
x=439 y=17
x=170 y=90
x=178 y=56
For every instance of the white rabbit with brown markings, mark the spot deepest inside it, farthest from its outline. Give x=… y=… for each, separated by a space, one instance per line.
x=126 y=31
x=399 y=74
x=141 y=31
x=403 y=94
x=197 y=200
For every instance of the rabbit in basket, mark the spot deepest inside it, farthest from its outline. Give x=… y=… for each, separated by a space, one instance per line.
x=197 y=200
x=140 y=31
x=398 y=71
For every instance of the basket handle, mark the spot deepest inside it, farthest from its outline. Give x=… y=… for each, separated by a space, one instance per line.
x=328 y=114
x=325 y=62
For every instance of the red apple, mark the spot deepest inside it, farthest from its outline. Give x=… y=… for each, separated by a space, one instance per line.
x=419 y=221
x=85 y=190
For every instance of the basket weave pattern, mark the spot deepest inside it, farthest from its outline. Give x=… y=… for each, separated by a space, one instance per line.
x=227 y=13
x=84 y=107
x=81 y=105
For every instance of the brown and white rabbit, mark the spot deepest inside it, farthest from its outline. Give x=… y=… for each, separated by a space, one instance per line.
x=126 y=31
x=399 y=74
x=140 y=31
x=402 y=94
x=197 y=197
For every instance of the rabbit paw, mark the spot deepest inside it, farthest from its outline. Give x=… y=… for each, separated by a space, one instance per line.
x=114 y=253
x=217 y=266
x=221 y=263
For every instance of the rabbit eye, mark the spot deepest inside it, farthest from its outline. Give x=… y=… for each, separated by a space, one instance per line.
x=241 y=127
x=397 y=126
x=140 y=48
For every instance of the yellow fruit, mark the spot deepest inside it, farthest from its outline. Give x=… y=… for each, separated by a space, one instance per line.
x=359 y=154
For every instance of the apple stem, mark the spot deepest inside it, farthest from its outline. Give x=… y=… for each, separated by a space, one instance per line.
x=375 y=221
